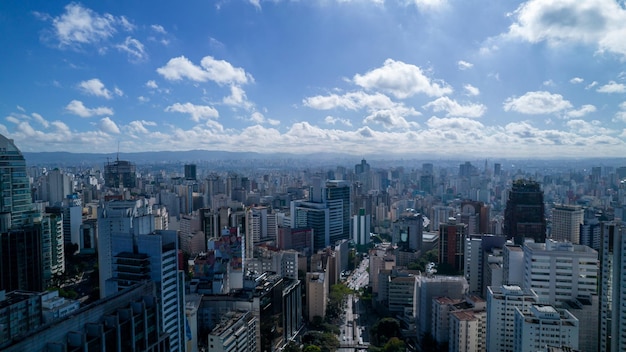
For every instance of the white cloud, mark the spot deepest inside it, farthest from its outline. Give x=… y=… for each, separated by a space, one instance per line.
x=464 y=65
x=134 y=48
x=401 y=80
x=612 y=87
x=158 y=28
x=471 y=90
x=40 y=119
x=237 y=98
x=585 y=128
x=549 y=83
x=255 y=3
x=455 y=123
x=593 y=22
x=258 y=118
x=576 y=80
x=95 y=87
x=21 y=109
x=143 y=99
x=197 y=112
x=218 y=71
x=152 y=84
x=108 y=126
x=79 y=25
x=390 y=119
x=426 y=5
x=335 y=120
x=591 y=85
x=350 y=101
x=454 y=109
x=77 y=107
x=620 y=116
x=535 y=103
x=139 y=127
x=584 y=110
x=118 y=92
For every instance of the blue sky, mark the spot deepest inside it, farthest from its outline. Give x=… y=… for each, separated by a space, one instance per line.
x=447 y=78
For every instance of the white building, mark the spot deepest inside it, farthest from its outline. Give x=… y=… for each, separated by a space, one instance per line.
x=566 y=222
x=361 y=227
x=560 y=271
x=430 y=287
x=316 y=294
x=235 y=333
x=541 y=326
x=502 y=302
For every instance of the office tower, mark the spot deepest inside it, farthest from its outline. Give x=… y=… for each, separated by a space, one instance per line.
x=612 y=287
x=502 y=302
x=513 y=265
x=540 y=326
x=363 y=167
x=128 y=217
x=408 y=231
x=190 y=172
x=566 y=223
x=140 y=257
x=339 y=205
x=120 y=174
x=361 y=228
x=298 y=239
x=236 y=333
x=524 y=214
x=560 y=271
x=497 y=169
x=452 y=244
x=427 y=183
x=126 y=321
x=590 y=233
x=402 y=295
x=15 y=186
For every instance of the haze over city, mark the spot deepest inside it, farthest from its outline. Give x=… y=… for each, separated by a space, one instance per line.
x=435 y=77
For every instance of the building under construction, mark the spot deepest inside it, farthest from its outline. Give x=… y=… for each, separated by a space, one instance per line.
x=120 y=173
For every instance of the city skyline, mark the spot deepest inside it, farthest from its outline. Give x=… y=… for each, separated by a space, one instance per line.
x=438 y=77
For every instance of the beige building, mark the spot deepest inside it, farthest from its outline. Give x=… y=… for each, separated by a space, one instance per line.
x=316 y=294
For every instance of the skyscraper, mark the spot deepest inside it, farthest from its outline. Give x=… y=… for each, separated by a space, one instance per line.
x=14 y=185
x=612 y=291
x=120 y=173
x=524 y=216
x=566 y=223
x=452 y=244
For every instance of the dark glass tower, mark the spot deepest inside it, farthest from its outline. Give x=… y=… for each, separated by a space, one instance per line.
x=524 y=216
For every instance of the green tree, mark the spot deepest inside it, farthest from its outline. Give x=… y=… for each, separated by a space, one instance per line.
x=385 y=329
x=312 y=348
x=292 y=346
x=394 y=345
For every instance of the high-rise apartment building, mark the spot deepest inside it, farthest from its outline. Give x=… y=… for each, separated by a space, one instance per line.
x=408 y=230
x=540 y=326
x=452 y=244
x=524 y=216
x=560 y=271
x=566 y=223
x=612 y=287
x=361 y=227
x=502 y=303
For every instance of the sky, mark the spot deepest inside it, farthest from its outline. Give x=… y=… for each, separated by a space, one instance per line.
x=440 y=78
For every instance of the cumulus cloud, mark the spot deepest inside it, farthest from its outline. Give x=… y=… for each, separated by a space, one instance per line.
x=536 y=103
x=139 y=127
x=402 y=80
x=593 y=22
x=591 y=85
x=576 y=80
x=96 y=88
x=237 y=98
x=40 y=119
x=152 y=84
x=77 y=107
x=464 y=65
x=584 y=110
x=612 y=87
x=134 y=48
x=197 y=112
x=427 y=5
x=471 y=90
x=108 y=126
x=258 y=118
x=210 y=69
x=587 y=128
x=455 y=123
x=454 y=109
x=79 y=25
x=335 y=120
x=390 y=119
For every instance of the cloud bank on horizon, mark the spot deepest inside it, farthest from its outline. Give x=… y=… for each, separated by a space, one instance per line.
x=443 y=78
